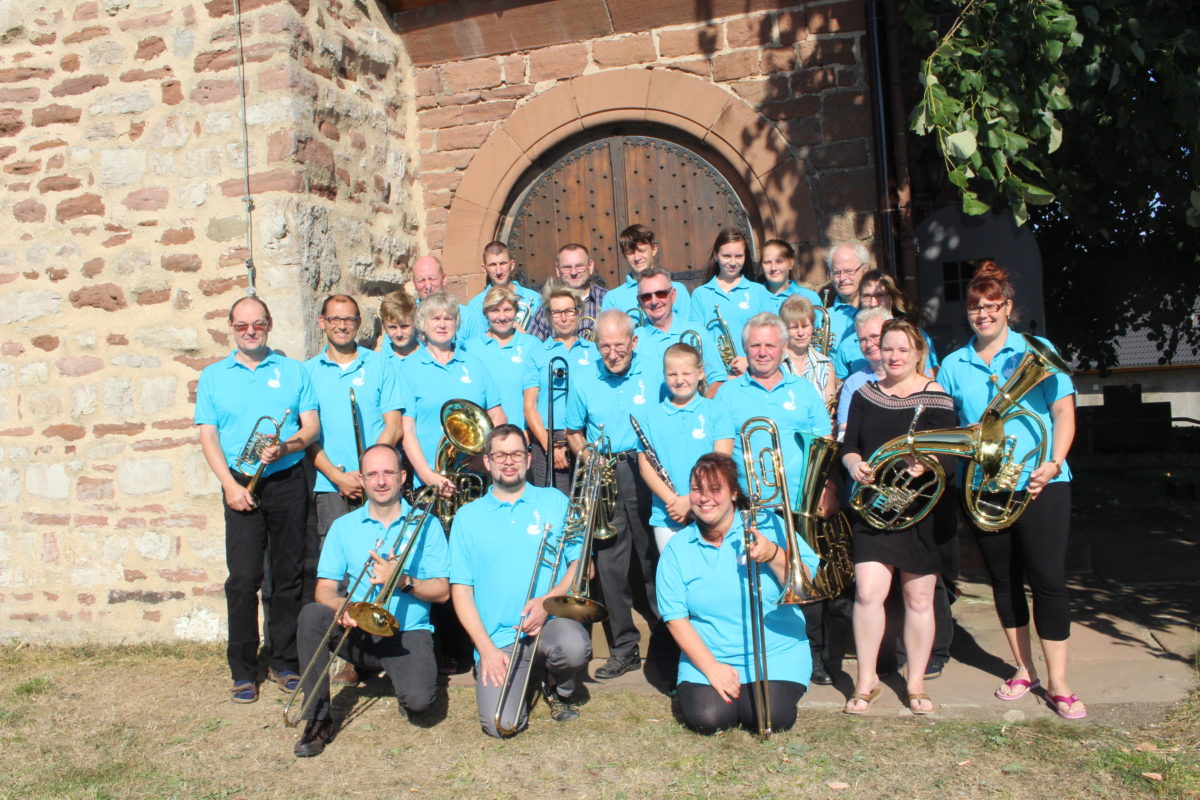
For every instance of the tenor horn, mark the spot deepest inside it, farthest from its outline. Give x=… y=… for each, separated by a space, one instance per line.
x=465 y=427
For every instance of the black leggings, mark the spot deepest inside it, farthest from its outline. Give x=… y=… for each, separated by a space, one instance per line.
x=1033 y=549
x=705 y=712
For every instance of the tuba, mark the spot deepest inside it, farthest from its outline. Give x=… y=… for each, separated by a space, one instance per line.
x=465 y=426
x=253 y=449
x=896 y=499
x=828 y=538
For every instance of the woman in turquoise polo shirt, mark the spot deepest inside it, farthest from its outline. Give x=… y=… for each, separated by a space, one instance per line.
x=732 y=291
x=1034 y=548
x=703 y=598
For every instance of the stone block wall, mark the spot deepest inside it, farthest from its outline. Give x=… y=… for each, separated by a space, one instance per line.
x=121 y=184
x=801 y=67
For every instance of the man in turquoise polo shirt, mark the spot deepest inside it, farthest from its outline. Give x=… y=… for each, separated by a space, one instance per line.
x=493 y=560
x=663 y=328
x=252 y=382
x=847 y=263
x=353 y=541
x=500 y=269
x=640 y=249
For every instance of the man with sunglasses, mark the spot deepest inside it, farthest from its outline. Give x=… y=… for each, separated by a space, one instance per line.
x=233 y=394
x=640 y=249
x=576 y=269
x=663 y=328
x=493 y=560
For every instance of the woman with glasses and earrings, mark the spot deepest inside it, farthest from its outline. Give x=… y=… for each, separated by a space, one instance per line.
x=1034 y=548
x=546 y=379
x=880 y=289
x=732 y=291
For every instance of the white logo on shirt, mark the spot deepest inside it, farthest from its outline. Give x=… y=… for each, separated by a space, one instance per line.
x=358 y=379
x=275 y=382
x=698 y=433
x=535 y=528
x=640 y=397
x=745 y=300
x=1010 y=366
x=583 y=359
x=790 y=405
x=516 y=359
x=466 y=376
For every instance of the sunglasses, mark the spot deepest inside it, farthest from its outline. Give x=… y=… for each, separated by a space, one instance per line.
x=659 y=294
x=242 y=327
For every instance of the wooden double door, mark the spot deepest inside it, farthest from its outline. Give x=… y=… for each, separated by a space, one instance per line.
x=594 y=190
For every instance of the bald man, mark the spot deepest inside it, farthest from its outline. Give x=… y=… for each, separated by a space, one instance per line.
x=428 y=277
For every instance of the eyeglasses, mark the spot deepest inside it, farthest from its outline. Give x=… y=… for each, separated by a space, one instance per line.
x=616 y=349
x=242 y=327
x=508 y=458
x=846 y=273
x=563 y=313
x=660 y=294
x=875 y=337
x=986 y=308
x=877 y=295
x=383 y=473
x=341 y=320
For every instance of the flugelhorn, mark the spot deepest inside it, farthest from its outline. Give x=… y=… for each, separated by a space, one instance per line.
x=993 y=472
x=768 y=489
x=465 y=426
x=251 y=455
x=372 y=617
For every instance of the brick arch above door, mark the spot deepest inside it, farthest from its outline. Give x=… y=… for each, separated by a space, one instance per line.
x=773 y=175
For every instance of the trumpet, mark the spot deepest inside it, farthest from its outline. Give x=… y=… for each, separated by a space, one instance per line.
x=828 y=538
x=253 y=449
x=761 y=686
x=892 y=502
x=725 y=345
x=465 y=427
x=372 y=616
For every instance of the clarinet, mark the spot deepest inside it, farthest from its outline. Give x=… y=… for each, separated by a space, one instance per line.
x=651 y=456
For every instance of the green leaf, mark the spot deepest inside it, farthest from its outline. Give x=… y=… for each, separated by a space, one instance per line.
x=958 y=178
x=1053 y=50
x=1091 y=14
x=1056 y=136
x=961 y=145
x=972 y=205
x=1036 y=195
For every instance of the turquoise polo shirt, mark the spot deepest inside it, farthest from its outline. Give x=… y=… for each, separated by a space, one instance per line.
x=376 y=384
x=428 y=384
x=679 y=436
x=625 y=298
x=708 y=586
x=352 y=536
x=855 y=381
x=968 y=380
x=848 y=356
x=392 y=357
x=506 y=363
x=841 y=317
x=787 y=291
x=794 y=405
x=599 y=397
x=232 y=397
x=581 y=357
x=474 y=322
x=652 y=344
x=493 y=550
x=737 y=306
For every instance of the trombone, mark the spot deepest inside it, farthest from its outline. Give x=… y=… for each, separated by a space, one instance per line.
x=253 y=449
x=372 y=616
x=579 y=525
x=758 y=629
x=559 y=370
x=358 y=442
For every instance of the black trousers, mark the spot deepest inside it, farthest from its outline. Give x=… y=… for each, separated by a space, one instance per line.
x=562 y=477
x=407 y=658
x=628 y=560
x=275 y=528
x=1034 y=550
x=705 y=712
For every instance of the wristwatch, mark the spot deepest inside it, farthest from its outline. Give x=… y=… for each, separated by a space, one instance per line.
x=408 y=584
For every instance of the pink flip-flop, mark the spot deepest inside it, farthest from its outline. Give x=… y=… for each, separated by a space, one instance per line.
x=1068 y=700
x=1013 y=683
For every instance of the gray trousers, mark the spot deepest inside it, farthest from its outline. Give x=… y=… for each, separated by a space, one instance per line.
x=407 y=658
x=628 y=557
x=563 y=650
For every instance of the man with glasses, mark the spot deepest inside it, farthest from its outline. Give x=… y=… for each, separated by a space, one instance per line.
x=233 y=394
x=353 y=541
x=868 y=326
x=340 y=370
x=847 y=263
x=574 y=268
x=663 y=328
x=622 y=384
x=541 y=388
x=640 y=249
x=493 y=560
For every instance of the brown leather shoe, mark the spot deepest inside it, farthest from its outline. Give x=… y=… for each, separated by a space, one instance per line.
x=317 y=734
x=346 y=676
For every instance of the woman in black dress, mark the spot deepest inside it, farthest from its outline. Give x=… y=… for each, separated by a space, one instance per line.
x=880 y=412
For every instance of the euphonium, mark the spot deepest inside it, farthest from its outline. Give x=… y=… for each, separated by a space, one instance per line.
x=892 y=502
x=725 y=345
x=465 y=427
x=253 y=449
x=828 y=538
x=372 y=617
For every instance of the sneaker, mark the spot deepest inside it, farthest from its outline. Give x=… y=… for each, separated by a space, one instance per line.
x=288 y=680
x=616 y=666
x=934 y=669
x=561 y=709
x=244 y=692
x=820 y=675
x=317 y=734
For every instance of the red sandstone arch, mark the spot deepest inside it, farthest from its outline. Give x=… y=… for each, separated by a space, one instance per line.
x=749 y=141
